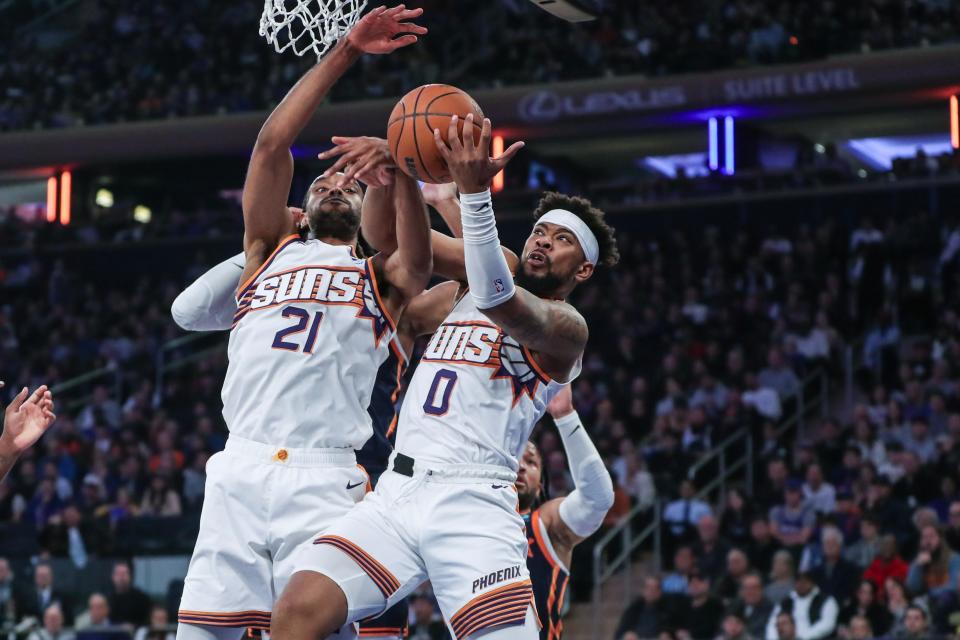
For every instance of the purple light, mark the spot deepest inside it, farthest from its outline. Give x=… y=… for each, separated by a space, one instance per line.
x=728 y=165
x=714 y=145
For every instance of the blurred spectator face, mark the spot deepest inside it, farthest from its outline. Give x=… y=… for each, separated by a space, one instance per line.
x=760 y=530
x=888 y=547
x=529 y=476
x=733 y=626
x=43 y=576
x=793 y=497
x=53 y=620
x=832 y=546
x=954 y=517
x=5 y=573
x=786 y=630
x=919 y=430
x=121 y=577
x=735 y=500
x=99 y=609
x=777 y=471
x=915 y=621
x=159 y=618
x=737 y=563
x=71 y=517
x=687 y=490
x=707 y=528
x=651 y=590
x=896 y=595
x=860 y=629
x=422 y=610
x=868 y=529
x=930 y=539
x=803 y=585
x=683 y=561
x=852 y=459
x=782 y=568
x=751 y=590
x=698 y=586
x=814 y=476
x=865 y=594
x=775 y=359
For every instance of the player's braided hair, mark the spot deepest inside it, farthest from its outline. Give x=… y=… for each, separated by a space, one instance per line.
x=591 y=215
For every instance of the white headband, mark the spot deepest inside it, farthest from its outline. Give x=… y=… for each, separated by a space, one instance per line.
x=579 y=228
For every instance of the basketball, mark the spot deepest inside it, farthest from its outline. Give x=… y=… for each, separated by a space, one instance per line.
x=411 y=125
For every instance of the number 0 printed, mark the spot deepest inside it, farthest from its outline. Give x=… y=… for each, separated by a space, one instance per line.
x=441 y=389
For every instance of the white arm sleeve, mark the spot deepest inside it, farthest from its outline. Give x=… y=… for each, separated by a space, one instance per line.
x=488 y=273
x=210 y=303
x=584 y=509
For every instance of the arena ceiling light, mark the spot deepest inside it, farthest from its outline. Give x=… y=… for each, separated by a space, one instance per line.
x=142 y=214
x=879 y=153
x=104 y=198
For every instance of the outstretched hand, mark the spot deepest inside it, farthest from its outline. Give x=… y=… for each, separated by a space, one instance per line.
x=26 y=419
x=364 y=158
x=562 y=403
x=470 y=164
x=384 y=30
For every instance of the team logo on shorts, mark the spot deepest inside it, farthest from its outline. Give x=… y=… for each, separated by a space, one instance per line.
x=496 y=577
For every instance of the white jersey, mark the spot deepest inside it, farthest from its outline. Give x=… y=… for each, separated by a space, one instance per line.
x=475 y=397
x=309 y=335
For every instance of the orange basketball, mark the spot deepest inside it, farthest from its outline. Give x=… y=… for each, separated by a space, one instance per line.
x=411 y=125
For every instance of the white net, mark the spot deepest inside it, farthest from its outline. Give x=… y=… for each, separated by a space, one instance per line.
x=308 y=25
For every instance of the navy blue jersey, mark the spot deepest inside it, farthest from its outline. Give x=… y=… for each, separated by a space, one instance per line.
x=393 y=623
x=383 y=411
x=548 y=575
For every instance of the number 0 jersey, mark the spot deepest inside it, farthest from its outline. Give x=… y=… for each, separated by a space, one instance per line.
x=475 y=396
x=309 y=335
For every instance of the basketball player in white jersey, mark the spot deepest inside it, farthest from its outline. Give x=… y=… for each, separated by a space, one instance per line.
x=312 y=326
x=447 y=509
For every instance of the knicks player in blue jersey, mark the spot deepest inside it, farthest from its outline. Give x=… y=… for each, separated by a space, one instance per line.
x=445 y=509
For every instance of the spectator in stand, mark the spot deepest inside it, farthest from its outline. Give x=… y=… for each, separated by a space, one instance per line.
x=814 y=613
x=752 y=605
x=858 y=629
x=96 y=615
x=785 y=628
x=35 y=600
x=651 y=615
x=734 y=627
x=778 y=376
x=952 y=532
x=736 y=517
x=128 y=604
x=704 y=614
x=762 y=545
x=866 y=605
x=159 y=628
x=53 y=622
x=738 y=566
x=835 y=576
x=936 y=569
x=915 y=625
x=710 y=549
x=160 y=499
x=682 y=515
x=819 y=495
x=677 y=580
x=891 y=513
x=792 y=522
x=770 y=492
x=69 y=536
x=887 y=565
x=781 y=577
x=898 y=601
x=863 y=551
x=918 y=440
x=7 y=603
x=426 y=625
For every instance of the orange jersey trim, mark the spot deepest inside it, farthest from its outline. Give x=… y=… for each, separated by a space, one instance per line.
x=256 y=274
x=378 y=297
x=382 y=577
x=535 y=525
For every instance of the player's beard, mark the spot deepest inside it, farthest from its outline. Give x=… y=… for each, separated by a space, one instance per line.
x=335 y=221
x=527 y=500
x=544 y=286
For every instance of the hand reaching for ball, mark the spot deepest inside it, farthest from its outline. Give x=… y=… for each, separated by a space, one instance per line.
x=365 y=158
x=26 y=419
x=384 y=30
x=471 y=165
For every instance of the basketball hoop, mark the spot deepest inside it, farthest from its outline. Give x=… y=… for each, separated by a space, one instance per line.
x=570 y=10
x=308 y=25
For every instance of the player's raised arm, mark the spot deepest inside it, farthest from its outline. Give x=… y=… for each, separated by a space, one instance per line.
x=271 y=165
x=409 y=267
x=554 y=329
x=25 y=420
x=443 y=198
x=572 y=519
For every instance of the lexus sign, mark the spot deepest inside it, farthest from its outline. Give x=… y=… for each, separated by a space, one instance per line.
x=548 y=106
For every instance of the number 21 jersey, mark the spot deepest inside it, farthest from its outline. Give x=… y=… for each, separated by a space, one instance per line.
x=309 y=335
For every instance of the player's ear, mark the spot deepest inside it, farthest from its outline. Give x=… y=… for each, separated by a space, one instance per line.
x=584 y=272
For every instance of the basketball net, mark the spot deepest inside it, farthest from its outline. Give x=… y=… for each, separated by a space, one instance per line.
x=308 y=25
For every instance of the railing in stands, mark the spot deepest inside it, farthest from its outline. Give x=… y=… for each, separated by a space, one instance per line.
x=811 y=398
x=75 y=392
x=182 y=351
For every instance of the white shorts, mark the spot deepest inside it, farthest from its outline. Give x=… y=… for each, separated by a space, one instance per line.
x=261 y=503
x=457 y=527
